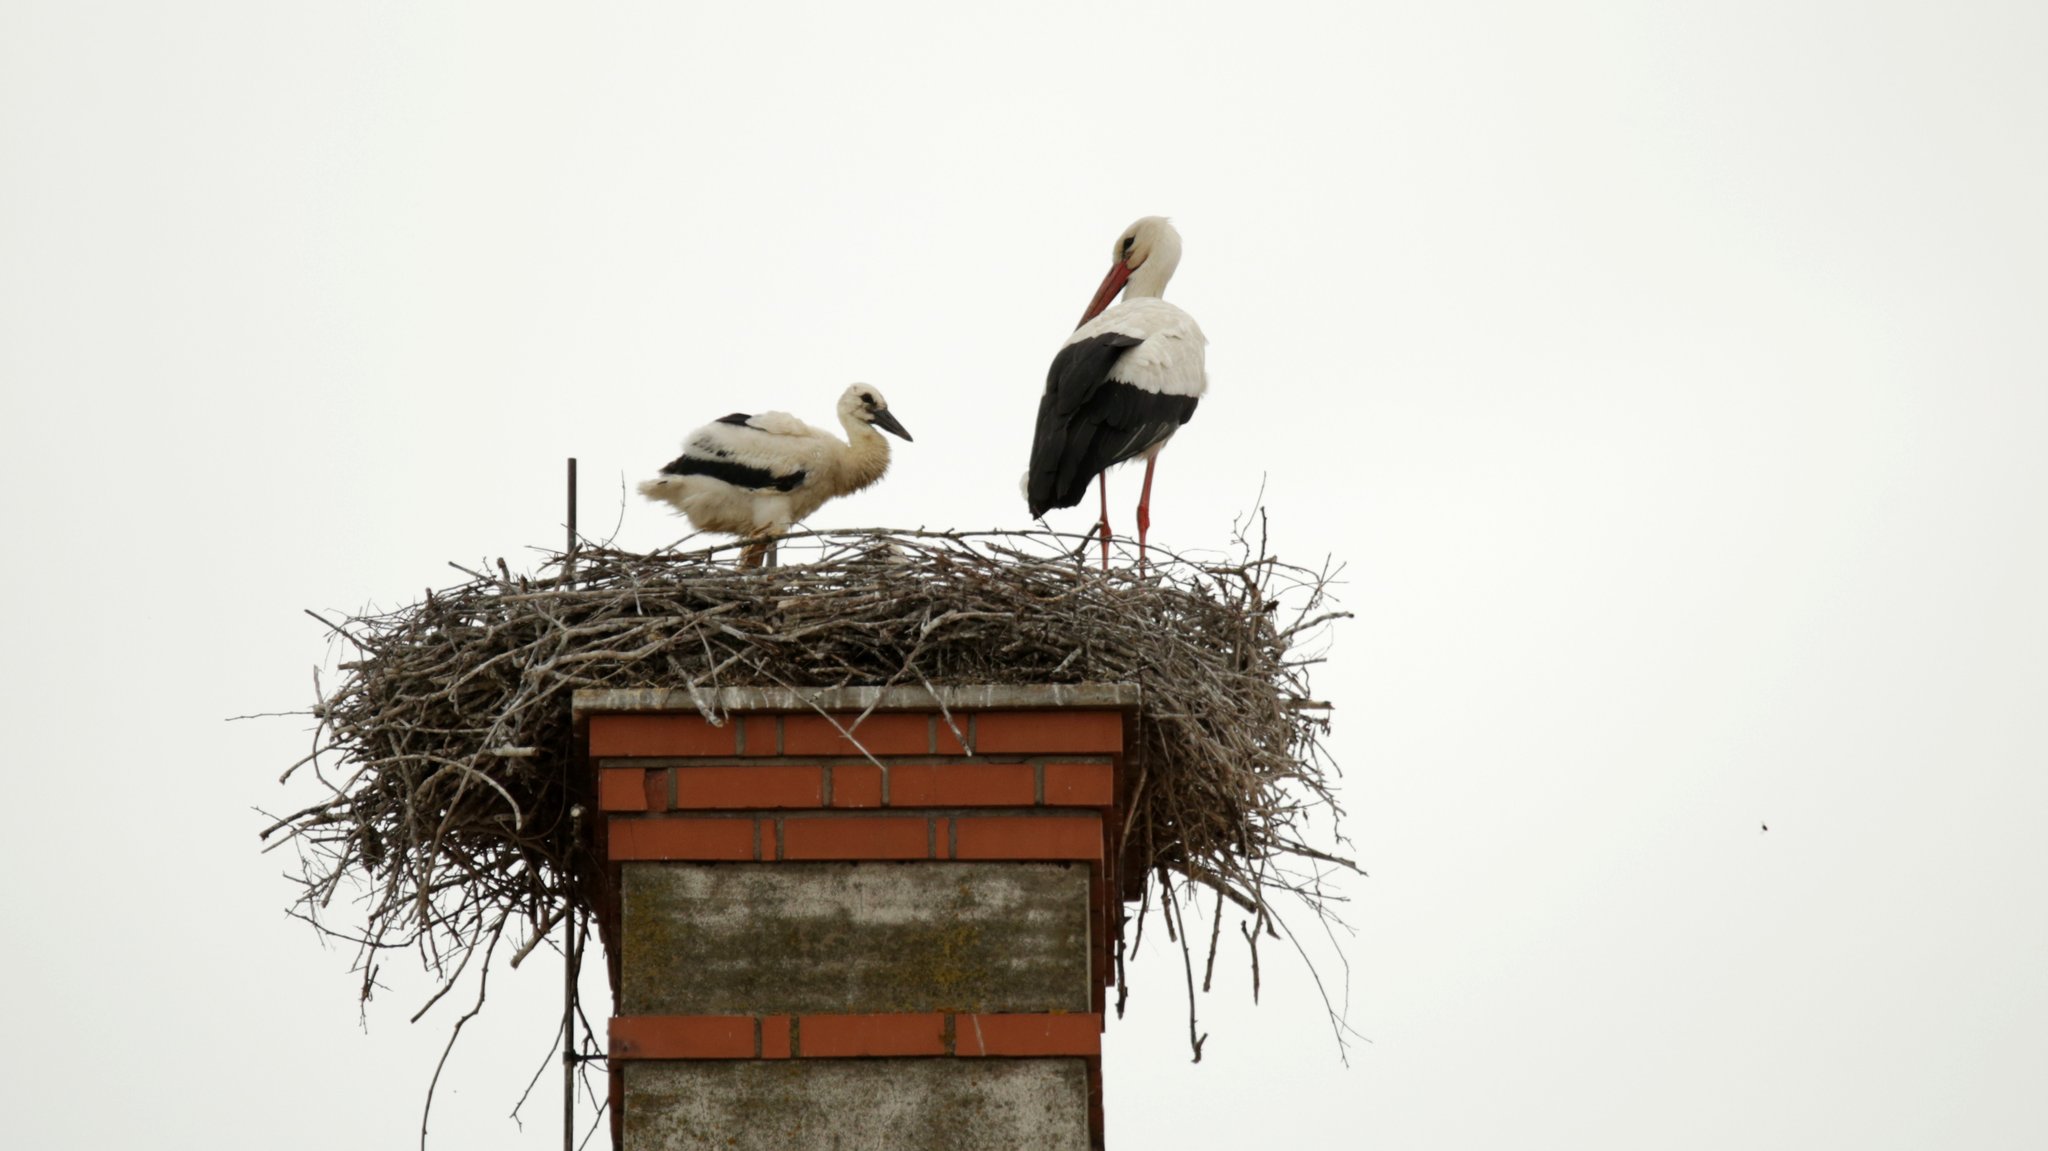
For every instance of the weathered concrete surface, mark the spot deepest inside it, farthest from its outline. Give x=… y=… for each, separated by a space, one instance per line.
x=858 y=1105
x=792 y=938
x=959 y=697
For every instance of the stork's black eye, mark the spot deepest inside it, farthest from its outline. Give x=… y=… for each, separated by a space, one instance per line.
x=1128 y=241
x=868 y=398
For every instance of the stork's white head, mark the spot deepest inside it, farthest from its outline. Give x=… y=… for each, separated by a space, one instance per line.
x=863 y=404
x=1142 y=260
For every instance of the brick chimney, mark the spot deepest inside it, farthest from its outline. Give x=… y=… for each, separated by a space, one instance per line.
x=891 y=933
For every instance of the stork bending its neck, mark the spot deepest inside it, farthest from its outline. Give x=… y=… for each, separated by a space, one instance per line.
x=1154 y=245
x=1121 y=385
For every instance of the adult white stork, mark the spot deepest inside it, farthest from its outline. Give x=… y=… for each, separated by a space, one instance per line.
x=1121 y=385
x=754 y=476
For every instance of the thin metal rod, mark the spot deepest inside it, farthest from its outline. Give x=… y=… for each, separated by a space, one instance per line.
x=569 y=957
x=569 y=964
x=569 y=551
x=569 y=1037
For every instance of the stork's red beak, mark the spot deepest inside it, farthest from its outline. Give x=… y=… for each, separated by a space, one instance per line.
x=1111 y=285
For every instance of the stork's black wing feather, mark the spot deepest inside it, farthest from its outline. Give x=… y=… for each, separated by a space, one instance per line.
x=1082 y=367
x=1077 y=373
x=739 y=418
x=737 y=474
x=1119 y=423
x=1088 y=422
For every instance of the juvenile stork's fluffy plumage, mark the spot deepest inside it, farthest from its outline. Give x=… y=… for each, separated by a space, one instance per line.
x=1122 y=384
x=754 y=476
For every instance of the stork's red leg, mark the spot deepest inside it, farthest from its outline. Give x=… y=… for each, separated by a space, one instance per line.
x=1145 y=512
x=1102 y=485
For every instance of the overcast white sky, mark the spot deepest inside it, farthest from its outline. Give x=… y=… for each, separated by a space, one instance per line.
x=1672 y=378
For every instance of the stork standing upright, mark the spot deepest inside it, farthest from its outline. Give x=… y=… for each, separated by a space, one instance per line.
x=754 y=476
x=1121 y=385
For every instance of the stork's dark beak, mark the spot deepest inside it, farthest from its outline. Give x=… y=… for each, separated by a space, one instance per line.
x=883 y=420
x=1111 y=285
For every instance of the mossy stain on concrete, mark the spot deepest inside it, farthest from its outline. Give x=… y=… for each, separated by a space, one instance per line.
x=795 y=938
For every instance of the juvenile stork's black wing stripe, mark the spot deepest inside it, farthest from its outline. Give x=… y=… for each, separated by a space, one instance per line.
x=738 y=475
x=1077 y=376
x=738 y=418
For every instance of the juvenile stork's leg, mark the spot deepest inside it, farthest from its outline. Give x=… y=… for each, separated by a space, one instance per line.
x=755 y=551
x=1145 y=512
x=1102 y=486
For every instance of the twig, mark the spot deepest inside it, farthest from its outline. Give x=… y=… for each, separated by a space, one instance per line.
x=482 y=984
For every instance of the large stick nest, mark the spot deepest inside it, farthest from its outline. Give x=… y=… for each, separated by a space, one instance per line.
x=443 y=755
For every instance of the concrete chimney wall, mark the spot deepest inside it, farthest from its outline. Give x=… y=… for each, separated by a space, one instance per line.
x=897 y=941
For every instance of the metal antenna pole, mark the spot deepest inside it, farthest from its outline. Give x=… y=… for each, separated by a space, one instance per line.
x=569 y=1031
x=569 y=552
x=575 y=814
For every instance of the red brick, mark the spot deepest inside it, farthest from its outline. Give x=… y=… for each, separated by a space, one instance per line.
x=1027 y=1035
x=749 y=787
x=880 y=734
x=962 y=785
x=686 y=839
x=622 y=789
x=944 y=742
x=856 y=785
x=682 y=1037
x=855 y=837
x=665 y=734
x=845 y=1036
x=1048 y=732
x=1078 y=785
x=761 y=734
x=1028 y=837
x=775 y=1037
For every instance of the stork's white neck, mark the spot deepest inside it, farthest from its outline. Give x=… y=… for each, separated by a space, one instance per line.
x=867 y=454
x=1151 y=276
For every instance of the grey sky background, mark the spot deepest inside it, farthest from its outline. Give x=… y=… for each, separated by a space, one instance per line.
x=1671 y=380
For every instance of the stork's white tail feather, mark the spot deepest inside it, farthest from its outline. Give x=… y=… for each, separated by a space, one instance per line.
x=669 y=488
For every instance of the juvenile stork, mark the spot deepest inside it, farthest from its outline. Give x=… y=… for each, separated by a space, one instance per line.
x=754 y=476
x=1121 y=385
